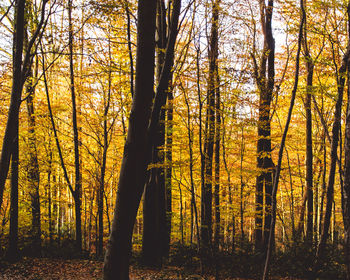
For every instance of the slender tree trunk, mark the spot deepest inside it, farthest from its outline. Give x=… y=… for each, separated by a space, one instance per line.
x=13 y=252
x=242 y=188
x=49 y=187
x=217 y=231
x=206 y=197
x=168 y=167
x=33 y=169
x=346 y=196
x=270 y=243
x=78 y=188
x=309 y=153
x=334 y=147
x=101 y=192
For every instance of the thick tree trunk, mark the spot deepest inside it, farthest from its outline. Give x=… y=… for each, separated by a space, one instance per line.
x=154 y=199
x=156 y=132
x=136 y=151
x=265 y=78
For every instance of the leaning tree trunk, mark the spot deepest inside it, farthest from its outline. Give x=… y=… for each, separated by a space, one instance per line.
x=11 y=132
x=154 y=198
x=134 y=164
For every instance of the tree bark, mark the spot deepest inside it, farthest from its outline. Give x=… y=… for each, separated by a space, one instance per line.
x=270 y=243
x=13 y=252
x=217 y=229
x=265 y=78
x=334 y=146
x=309 y=153
x=206 y=196
x=78 y=184
x=33 y=169
x=154 y=199
x=136 y=149
x=11 y=133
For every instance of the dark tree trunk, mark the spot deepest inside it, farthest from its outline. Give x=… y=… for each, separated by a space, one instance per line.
x=156 y=132
x=271 y=237
x=11 y=132
x=265 y=78
x=13 y=252
x=309 y=153
x=20 y=72
x=78 y=188
x=33 y=170
x=134 y=165
x=101 y=192
x=346 y=206
x=334 y=146
x=346 y=196
x=217 y=231
x=168 y=168
x=154 y=199
x=206 y=196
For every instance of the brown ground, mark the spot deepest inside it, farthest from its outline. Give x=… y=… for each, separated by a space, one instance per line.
x=57 y=269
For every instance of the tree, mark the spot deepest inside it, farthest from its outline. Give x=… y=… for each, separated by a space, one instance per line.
x=265 y=80
x=78 y=188
x=341 y=76
x=136 y=149
x=206 y=193
x=20 y=73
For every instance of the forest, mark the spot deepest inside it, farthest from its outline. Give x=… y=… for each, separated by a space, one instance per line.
x=175 y=139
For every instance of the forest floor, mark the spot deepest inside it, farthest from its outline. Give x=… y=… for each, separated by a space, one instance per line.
x=60 y=269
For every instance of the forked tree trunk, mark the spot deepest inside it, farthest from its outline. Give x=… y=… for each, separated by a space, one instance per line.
x=265 y=79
